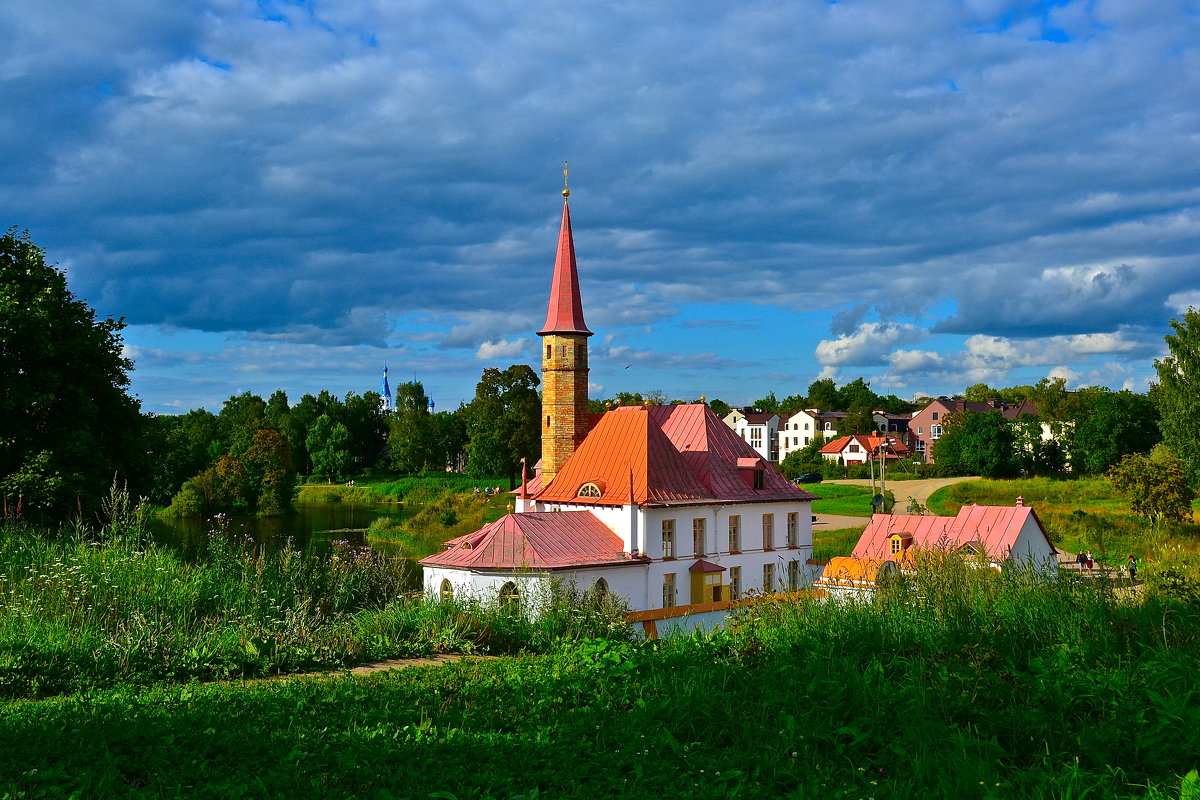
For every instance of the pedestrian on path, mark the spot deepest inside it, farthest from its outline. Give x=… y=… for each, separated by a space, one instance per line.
x=1091 y=563
x=1132 y=566
x=1081 y=560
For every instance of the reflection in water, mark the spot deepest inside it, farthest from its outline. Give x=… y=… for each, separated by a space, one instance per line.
x=312 y=528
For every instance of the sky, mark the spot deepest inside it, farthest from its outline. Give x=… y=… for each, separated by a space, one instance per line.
x=927 y=194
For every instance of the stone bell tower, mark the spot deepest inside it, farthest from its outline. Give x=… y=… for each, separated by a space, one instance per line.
x=564 y=358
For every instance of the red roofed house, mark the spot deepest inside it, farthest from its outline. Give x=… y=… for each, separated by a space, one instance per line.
x=926 y=425
x=856 y=449
x=662 y=505
x=1004 y=535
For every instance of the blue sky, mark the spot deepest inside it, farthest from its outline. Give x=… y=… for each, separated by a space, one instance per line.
x=925 y=194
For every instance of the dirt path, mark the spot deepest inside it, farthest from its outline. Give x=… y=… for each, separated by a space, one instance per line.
x=918 y=490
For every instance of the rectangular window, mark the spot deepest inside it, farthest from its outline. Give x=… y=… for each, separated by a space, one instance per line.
x=935 y=431
x=919 y=431
x=669 y=590
x=935 y=416
x=920 y=445
x=756 y=438
x=806 y=440
x=895 y=545
x=768 y=586
x=735 y=534
x=735 y=583
x=793 y=530
x=794 y=575
x=668 y=538
x=768 y=531
x=853 y=448
x=698 y=536
x=760 y=478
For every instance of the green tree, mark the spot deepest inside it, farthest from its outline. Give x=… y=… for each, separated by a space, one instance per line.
x=1177 y=393
x=1109 y=426
x=411 y=430
x=978 y=392
x=67 y=423
x=502 y=422
x=823 y=395
x=1156 y=486
x=768 y=404
x=328 y=445
x=270 y=472
x=856 y=394
x=858 y=420
x=719 y=407
x=977 y=444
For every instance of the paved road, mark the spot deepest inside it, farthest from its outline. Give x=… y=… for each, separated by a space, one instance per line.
x=918 y=490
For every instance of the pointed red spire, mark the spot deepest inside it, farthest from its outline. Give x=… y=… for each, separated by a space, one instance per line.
x=565 y=314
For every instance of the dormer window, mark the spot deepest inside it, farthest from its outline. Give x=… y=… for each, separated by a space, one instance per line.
x=760 y=478
x=590 y=490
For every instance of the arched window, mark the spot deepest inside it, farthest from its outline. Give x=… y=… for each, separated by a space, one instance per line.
x=446 y=592
x=589 y=490
x=509 y=594
x=601 y=586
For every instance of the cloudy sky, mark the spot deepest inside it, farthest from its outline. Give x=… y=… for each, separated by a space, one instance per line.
x=927 y=194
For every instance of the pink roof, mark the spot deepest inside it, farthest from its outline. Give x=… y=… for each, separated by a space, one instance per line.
x=658 y=455
x=535 y=540
x=996 y=528
x=565 y=313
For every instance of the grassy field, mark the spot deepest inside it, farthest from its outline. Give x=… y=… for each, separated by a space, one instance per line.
x=830 y=544
x=843 y=499
x=397 y=489
x=971 y=686
x=1082 y=514
x=77 y=613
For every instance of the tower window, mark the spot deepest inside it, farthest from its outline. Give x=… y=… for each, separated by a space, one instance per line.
x=549 y=351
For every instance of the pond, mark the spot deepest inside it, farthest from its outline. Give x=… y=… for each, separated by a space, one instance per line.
x=313 y=527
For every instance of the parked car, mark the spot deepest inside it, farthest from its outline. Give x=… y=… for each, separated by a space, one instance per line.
x=809 y=477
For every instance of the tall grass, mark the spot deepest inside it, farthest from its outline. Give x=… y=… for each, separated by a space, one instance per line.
x=956 y=684
x=76 y=612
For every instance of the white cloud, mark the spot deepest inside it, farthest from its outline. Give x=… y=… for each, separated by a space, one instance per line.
x=870 y=344
x=502 y=349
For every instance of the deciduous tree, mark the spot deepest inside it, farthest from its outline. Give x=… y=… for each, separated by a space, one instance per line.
x=1156 y=486
x=67 y=423
x=502 y=422
x=1177 y=393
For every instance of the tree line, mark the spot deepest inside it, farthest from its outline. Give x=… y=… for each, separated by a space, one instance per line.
x=69 y=427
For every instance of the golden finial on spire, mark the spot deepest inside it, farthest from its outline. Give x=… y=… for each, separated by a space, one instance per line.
x=566 y=191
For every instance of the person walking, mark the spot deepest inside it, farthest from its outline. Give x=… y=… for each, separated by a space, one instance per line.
x=1131 y=565
x=1091 y=563
x=1081 y=560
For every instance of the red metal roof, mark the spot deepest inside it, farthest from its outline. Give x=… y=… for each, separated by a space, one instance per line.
x=660 y=455
x=996 y=528
x=535 y=540
x=565 y=313
x=868 y=443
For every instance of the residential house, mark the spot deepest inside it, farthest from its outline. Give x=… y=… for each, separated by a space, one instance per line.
x=757 y=428
x=858 y=448
x=927 y=425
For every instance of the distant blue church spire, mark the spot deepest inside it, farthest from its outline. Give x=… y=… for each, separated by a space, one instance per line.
x=385 y=392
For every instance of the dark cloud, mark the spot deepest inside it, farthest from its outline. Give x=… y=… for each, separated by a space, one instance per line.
x=344 y=174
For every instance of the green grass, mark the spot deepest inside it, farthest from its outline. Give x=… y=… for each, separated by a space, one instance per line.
x=398 y=489
x=1082 y=514
x=831 y=544
x=964 y=685
x=76 y=613
x=843 y=499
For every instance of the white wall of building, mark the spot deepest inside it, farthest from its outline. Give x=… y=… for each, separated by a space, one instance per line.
x=641 y=583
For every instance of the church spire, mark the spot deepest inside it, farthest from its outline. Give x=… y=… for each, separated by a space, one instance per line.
x=565 y=313
x=564 y=358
